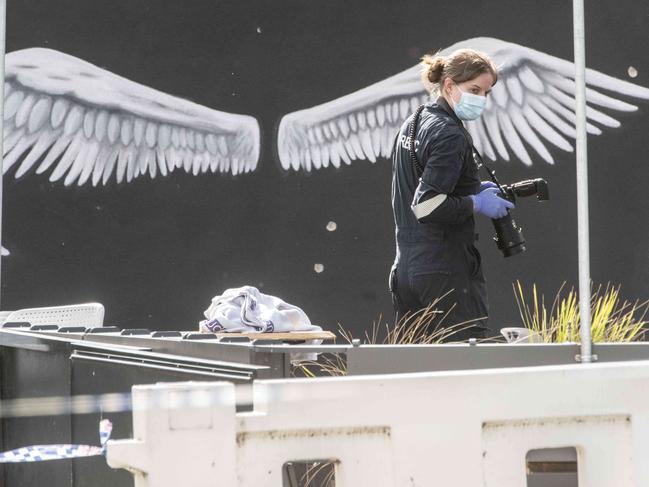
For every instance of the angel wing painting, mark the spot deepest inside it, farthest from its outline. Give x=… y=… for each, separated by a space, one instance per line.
x=91 y=124
x=532 y=107
x=87 y=124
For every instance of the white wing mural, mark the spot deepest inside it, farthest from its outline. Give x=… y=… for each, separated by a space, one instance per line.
x=88 y=125
x=532 y=106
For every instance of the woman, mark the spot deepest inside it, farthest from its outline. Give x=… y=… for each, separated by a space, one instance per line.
x=435 y=193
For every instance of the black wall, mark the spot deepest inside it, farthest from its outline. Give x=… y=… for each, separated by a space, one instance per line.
x=155 y=252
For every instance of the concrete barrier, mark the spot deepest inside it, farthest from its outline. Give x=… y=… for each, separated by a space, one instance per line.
x=465 y=428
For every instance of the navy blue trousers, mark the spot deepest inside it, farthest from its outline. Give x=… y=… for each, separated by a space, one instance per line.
x=431 y=269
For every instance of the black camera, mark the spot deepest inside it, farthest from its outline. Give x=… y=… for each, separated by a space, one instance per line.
x=509 y=236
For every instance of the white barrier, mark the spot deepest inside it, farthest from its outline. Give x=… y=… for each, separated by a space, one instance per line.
x=469 y=428
x=89 y=315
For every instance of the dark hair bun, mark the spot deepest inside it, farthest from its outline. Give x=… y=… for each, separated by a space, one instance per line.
x=433 y=68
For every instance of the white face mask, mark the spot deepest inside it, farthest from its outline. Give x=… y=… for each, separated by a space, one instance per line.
x=470 y=106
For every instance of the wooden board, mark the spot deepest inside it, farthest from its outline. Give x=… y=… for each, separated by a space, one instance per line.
x=295 y=336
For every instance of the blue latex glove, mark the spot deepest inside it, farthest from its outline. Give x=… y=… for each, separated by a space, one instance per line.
x=486 y=184
x=490 y=204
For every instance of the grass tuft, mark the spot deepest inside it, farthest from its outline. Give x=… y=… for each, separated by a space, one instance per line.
x=612 y=320
x=425 y=326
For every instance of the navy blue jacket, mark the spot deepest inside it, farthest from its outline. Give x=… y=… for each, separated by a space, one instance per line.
x=437 y=203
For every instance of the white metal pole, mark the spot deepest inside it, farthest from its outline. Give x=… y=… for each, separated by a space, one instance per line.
x=582 y=181
x=3 y=29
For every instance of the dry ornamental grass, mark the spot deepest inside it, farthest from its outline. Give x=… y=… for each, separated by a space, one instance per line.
x=612 y=320
x=426 y=326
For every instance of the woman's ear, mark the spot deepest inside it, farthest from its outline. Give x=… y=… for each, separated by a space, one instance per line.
x=448 y=84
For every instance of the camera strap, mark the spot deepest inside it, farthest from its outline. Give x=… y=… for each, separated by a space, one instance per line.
x=411 y=141
x=420 y=168
x=478 y=158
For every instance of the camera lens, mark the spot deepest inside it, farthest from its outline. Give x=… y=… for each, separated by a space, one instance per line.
x=509 y=236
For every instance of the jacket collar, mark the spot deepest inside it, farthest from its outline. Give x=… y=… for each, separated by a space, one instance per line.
x=443 y=104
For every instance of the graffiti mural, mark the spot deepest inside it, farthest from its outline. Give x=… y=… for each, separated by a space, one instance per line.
x=158 y=153
x=96 y=124
x=533 y=102
x=91 y=125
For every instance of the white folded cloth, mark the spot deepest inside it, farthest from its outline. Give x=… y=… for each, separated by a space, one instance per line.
x=245 y=310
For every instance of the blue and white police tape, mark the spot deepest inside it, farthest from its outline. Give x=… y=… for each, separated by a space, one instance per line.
x=117 y=402
x=41 y=453
x=58 y=405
